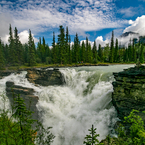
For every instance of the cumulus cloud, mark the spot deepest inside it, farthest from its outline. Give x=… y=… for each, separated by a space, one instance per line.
x=137 y=26
x=23 y=37
x=99 y=40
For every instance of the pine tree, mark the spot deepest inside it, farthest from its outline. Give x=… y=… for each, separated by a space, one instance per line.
x=54 y=54
x=87 y=50
x=100 y=53
x=90 y=54
x=11 y=47
x=91 y=139
x=142 y=54
x=83 y=54
x=70 y=51
x=18 y=48
x=106 y=53
x=76 y=48
x=31 y=47
x=94 y=50
x=116 y=51
x=67 y=45
x=134 y=51
x=61 y=45
x=2 y=63
x=130 y=52
x=111 y=56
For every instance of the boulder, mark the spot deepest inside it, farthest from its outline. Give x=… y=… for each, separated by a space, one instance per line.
x=45 y=77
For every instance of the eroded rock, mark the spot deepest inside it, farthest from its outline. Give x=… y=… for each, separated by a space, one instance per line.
x=45 y=77
x=129 y=91
x=26 y=93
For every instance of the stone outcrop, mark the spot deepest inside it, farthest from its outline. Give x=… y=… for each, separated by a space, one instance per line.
x=26 y=93
x=7 y=73
x=45 y=77
x=129 y=91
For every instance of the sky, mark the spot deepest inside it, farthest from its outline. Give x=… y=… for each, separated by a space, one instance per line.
x=95 y=19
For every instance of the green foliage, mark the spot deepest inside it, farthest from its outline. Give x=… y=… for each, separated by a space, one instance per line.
x=136 y=136
x=91 y=139
x=111 y=56
x=2 y=63
x=63 y=52
x=16 y=126
x=31 y=47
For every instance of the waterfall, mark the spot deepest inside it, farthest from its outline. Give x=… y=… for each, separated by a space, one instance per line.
x=71 y=109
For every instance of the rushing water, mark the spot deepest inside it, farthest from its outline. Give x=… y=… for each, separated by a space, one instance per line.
x=72 y=109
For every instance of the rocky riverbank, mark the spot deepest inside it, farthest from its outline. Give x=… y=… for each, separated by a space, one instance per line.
x=129 y=91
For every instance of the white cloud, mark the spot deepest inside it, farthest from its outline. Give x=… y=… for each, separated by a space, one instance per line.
x=128 y=12
x=137 y=26
x=99 y=40
x=23 y=37
x=5 y=20
x=41 y=16
x=125 y=40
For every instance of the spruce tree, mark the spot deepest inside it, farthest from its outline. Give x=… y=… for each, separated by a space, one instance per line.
x=83 y=52
x=116 y=51
x=87 y=50
x=61 y=45
x=106 y=53
x=76 y=48
x=67 y=45
x=100 y=53
x=90 y=54
x=31 y=47
x=2 y=62
x=54 y=54
x=111 y=56
x=18 y=48
x=11 y=48
x=134 y=50
x=142 y=54
x=70 y=51
x=94 y=50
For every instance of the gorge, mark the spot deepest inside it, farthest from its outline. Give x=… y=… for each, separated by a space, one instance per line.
x=84 y=98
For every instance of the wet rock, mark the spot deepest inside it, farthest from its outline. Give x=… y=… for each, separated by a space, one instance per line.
x=26 y=93
x=45 y=77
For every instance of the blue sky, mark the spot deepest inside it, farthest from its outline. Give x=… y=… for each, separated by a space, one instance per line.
x=92 y=18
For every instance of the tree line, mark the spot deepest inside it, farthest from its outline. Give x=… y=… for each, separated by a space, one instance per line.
x=63 y=52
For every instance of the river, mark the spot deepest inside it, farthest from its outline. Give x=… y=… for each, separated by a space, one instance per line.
x=71 y=109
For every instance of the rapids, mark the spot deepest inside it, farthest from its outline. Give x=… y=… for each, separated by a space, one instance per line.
x=71 y=109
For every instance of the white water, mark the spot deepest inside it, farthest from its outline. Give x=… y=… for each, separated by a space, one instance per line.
x=72 y=109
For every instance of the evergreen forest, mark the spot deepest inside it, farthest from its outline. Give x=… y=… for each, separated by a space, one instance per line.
x=62 y=52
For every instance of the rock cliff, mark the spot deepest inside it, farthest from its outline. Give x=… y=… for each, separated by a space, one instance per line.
x=45 y=77
x=26 y=93
x=129 y=91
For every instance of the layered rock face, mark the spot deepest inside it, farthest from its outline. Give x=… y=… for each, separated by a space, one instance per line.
x=26 y=93
x=45 y=77
x=129 y=91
